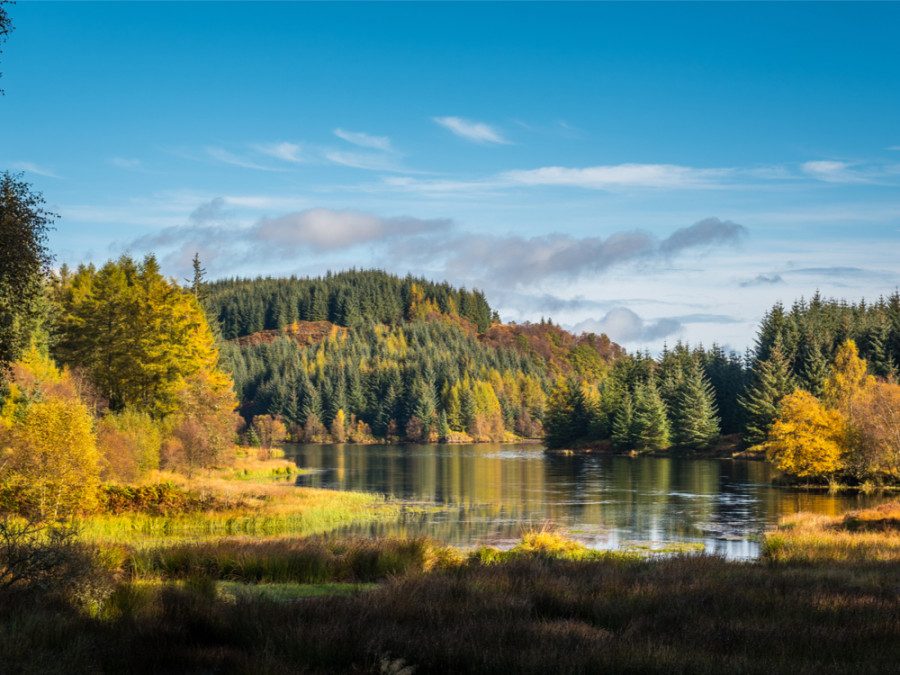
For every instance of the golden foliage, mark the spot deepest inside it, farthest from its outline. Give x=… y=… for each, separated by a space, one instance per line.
x=876 y=423
x=847 y=380
x=806 y=439
x=54 y=457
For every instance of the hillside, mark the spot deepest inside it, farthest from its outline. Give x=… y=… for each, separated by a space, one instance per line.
x=393 y=358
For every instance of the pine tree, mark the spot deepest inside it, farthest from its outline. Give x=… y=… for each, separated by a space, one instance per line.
x=815 y=368
x=623 y=436
x=696 y=423
x=772 y=382
x=651 y=426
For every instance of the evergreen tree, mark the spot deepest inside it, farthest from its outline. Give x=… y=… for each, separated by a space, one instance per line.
x=623 y=432
x=815 y=369
x=696 y=424
x=650 y=425
x=772 y=381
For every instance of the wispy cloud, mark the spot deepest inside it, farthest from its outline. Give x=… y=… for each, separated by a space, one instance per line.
x=30 y=167
x=371 y=161
x=328 y=229
x=130 y=164
x=834 y=172
x=215 y=210
x=477 y=132
x=288 y=152
x=707 y=232
x=516 y=260
x=620 y=176
x=364 y=140
x=762 y=280
x=222 y=155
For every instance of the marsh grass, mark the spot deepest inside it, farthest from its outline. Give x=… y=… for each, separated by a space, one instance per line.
x=243 y=509
x=529 y=613
x=303 y=561
x=866 y=536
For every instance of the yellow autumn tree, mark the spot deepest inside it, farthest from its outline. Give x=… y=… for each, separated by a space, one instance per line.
x=205 y=424
x=54 y=458
x=807 y=439
x=847 y=380
x=876 y=431
x=137 y=334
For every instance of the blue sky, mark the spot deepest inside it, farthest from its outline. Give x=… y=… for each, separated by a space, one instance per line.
x=655 y=171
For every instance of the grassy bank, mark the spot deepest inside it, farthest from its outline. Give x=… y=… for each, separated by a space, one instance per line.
x=252 y=498
x=864 y=537
x=546 y=606
x=823 y=599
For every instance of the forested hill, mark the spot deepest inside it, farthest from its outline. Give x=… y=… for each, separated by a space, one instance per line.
x=364 y=354
x=355 y=298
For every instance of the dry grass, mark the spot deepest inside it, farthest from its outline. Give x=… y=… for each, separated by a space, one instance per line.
x=870 y=535
x=531 y=613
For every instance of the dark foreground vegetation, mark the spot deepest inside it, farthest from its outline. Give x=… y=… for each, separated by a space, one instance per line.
x=549 y=605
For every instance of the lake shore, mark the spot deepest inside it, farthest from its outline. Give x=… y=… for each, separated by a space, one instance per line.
x=821 y=599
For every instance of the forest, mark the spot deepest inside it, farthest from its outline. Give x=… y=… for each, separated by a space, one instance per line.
x=142 y=373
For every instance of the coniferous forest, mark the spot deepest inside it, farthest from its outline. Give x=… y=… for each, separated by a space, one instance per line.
x=364 y=355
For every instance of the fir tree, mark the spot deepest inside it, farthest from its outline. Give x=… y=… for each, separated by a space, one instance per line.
x=696 y=423
x=772 y=381
x=623 y=425
x=651 y=426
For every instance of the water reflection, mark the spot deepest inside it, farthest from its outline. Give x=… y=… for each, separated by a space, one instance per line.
x=494 y=492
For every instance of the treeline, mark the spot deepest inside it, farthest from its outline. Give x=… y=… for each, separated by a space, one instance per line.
x=354 y=298
x=687 y=397
x=423 y=380
x=415 y=361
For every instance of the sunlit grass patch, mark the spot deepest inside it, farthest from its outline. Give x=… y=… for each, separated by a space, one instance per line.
x=232 y=591
x=870 y=535
x=261 y=510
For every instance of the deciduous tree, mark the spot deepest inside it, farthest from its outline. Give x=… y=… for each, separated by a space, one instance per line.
x=807 y=439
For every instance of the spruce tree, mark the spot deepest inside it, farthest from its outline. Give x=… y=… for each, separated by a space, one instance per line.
x=772 y=381
x=651 y=425
x=623 y=424
x=696 y=425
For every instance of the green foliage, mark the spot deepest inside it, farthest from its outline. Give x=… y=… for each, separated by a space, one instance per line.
x=650 y=426
x=696 y=425
x=772 y=381
x=352 y=298
x=24 y=259
x=137 y=334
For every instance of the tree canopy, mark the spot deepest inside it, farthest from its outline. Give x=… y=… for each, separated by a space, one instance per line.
x=24 y=263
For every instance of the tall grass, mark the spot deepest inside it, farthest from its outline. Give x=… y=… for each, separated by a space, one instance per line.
x=265 y=510
x=530 y=613
x=871 y=535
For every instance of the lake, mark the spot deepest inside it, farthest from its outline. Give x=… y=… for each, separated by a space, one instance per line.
x=490 y=494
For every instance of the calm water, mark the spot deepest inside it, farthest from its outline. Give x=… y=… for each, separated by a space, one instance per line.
x=491 y=493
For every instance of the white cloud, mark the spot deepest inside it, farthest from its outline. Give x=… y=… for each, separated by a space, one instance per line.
x=327 y=229
x=620 y=176
x=363 y=160
x=364 y=140
x=288 y=152
x=477 y=132
x=624 y=326
x=222 y=155
x=30 y=167
x=833 y=172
